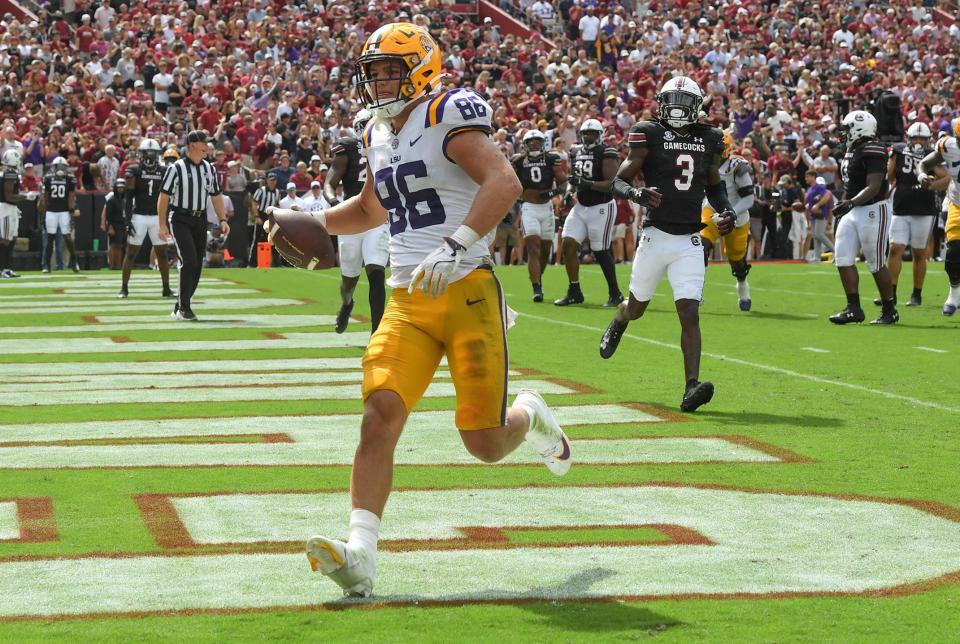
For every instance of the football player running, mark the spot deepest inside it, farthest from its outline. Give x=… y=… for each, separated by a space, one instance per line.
x=368 y=249
x=680 y=160
x=542 y=178
x=142 y=193
x=58 y=204
x=863 y=218
x=593 y=166
x=947 y=153
x=915 y=208
x=737 y=177
x=443 y=184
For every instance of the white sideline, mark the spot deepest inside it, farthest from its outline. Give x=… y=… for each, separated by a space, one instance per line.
x=201 y=304
x=154 y=322
x=757 y=365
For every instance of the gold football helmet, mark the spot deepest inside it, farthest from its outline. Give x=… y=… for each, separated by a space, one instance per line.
x=728 y=145
x=420 y=55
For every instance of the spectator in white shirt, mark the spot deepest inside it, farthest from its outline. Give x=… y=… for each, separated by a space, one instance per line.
x=292 y=201
x=109 y=166
x=542 y=10
x=313 y=201
x=589 y=31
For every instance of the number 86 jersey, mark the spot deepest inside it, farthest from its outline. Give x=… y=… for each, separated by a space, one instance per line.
x=676 y=165
x=427 y=196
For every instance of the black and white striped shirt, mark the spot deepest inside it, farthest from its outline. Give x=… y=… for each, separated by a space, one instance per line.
x=265 y=197
x=189 y=185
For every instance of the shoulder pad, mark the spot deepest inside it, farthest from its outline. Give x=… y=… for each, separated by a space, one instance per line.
x=947 y=145
x=516 y=158
x=610 y=152
x=342 y=146
x=873 y=148
x=553 y=158
x=133 y=171
x=456 y=108
x=739 y=164
x=899 y=148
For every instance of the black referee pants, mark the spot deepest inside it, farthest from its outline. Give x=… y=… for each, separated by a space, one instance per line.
x=190 y=235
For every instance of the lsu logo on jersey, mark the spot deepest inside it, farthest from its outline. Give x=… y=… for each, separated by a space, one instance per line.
x=425 y=193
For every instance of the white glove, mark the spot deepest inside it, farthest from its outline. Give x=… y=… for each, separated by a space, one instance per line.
x=437 y=268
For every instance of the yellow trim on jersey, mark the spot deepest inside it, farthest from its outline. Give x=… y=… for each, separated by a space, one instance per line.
x=435 y=110
x=952 y=228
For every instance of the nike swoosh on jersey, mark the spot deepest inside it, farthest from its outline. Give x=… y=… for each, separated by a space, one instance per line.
x=413 y=142
x=472 y=302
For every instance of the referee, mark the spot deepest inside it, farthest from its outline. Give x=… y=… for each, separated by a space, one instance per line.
x=187 y=184
x=263 y=198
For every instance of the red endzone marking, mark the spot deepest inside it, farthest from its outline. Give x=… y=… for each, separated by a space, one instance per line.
x=90 y=319
x=272 y=335
x=36 y=520
x=59 y=291
x=162 y=521
x=121 y=339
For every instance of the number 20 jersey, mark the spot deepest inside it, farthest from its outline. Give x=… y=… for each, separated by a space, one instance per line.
x=427 y=196
x=676 y=165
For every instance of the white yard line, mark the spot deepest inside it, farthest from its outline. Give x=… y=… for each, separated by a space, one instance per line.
x=53 y=369
x=120 y=323
x=240 y=394
x=102 y=293
x=757 y=365
x=200 y=304
x=931 y=349
x=814 y=350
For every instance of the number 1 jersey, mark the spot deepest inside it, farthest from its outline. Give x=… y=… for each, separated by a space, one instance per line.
x=427 y=196
x=676 y=165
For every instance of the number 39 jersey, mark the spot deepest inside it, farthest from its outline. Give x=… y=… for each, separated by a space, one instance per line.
x=676 y=165
x=588 y=163
x=426 y=195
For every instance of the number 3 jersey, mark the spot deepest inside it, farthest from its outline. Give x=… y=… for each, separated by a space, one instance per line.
x=426 y=195
x=676 y=165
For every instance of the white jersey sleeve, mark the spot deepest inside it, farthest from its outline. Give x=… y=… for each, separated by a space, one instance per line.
x=949 y=149
x=739 y=182
x=426 y=194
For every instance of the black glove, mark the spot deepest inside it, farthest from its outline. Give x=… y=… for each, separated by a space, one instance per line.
x=575 y=181
x=726 y=221
x=842 y=208
x=130 y=230
x=648 y=197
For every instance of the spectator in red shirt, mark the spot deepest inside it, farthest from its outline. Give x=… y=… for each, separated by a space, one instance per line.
x=301 y=177
x=105 y=105
x=247 y=135
x=209 y=118
x=85 y=34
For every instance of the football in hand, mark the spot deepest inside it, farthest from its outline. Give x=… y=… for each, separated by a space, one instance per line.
x=301 y=239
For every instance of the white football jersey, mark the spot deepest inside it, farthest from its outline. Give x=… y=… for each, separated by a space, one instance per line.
x=427 y=196
x=737 y=175
x=950 y=151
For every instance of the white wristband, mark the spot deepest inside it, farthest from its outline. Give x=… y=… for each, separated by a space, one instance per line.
x=321 y=215
x=465 y=236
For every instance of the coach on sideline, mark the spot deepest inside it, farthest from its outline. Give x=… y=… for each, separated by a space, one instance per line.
x=187 y=184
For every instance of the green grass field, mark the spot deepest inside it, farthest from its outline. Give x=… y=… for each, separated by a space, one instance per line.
x=162 y=492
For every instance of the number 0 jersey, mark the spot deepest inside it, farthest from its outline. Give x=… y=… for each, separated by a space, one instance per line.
x=427 y=196
x=676 y=165
x=536 y=174
x=949 y=149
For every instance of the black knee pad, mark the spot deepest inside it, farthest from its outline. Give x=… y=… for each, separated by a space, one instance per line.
x=951 y=262
x=740 y=269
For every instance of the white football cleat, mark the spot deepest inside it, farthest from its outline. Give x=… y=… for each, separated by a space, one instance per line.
x=352 y=567
x=545 y=433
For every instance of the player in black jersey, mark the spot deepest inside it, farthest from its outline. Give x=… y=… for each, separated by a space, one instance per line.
x=10 y=198
x=915 y=208
x=593 y=166
x=542 y=177
x=863 y=218
x=58 y=204
x=368 y=249
x=141 y=195
x=680 y=160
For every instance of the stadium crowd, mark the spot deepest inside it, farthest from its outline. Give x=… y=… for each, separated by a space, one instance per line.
x=271 y=81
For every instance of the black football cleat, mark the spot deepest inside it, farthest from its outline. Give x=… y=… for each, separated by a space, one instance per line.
x=914 y=300
x=574 y=296
x=343 y=317
x=614 y=301
x=877 y=301
x=847 y=316
x=538 y=293
x=891 y=317
x=696 y=395
x=123 y=294
x=611 y=337
x=168 y=293
x=186 y=315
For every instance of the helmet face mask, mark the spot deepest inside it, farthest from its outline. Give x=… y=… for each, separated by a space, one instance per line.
x=402 y=54
x=149 y=154
x=60 y=167
x=533 y=144
x=360 y=121
x=591 y=133
x=919 y=136
x=679 y=102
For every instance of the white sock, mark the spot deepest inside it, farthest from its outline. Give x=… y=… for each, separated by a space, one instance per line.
x=364 y=529
x=954 y=297
x=743 y=290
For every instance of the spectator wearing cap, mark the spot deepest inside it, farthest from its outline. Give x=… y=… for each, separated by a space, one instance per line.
x=314 y=200
x=290 y=200
x=236 y=179
x=264 y=197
